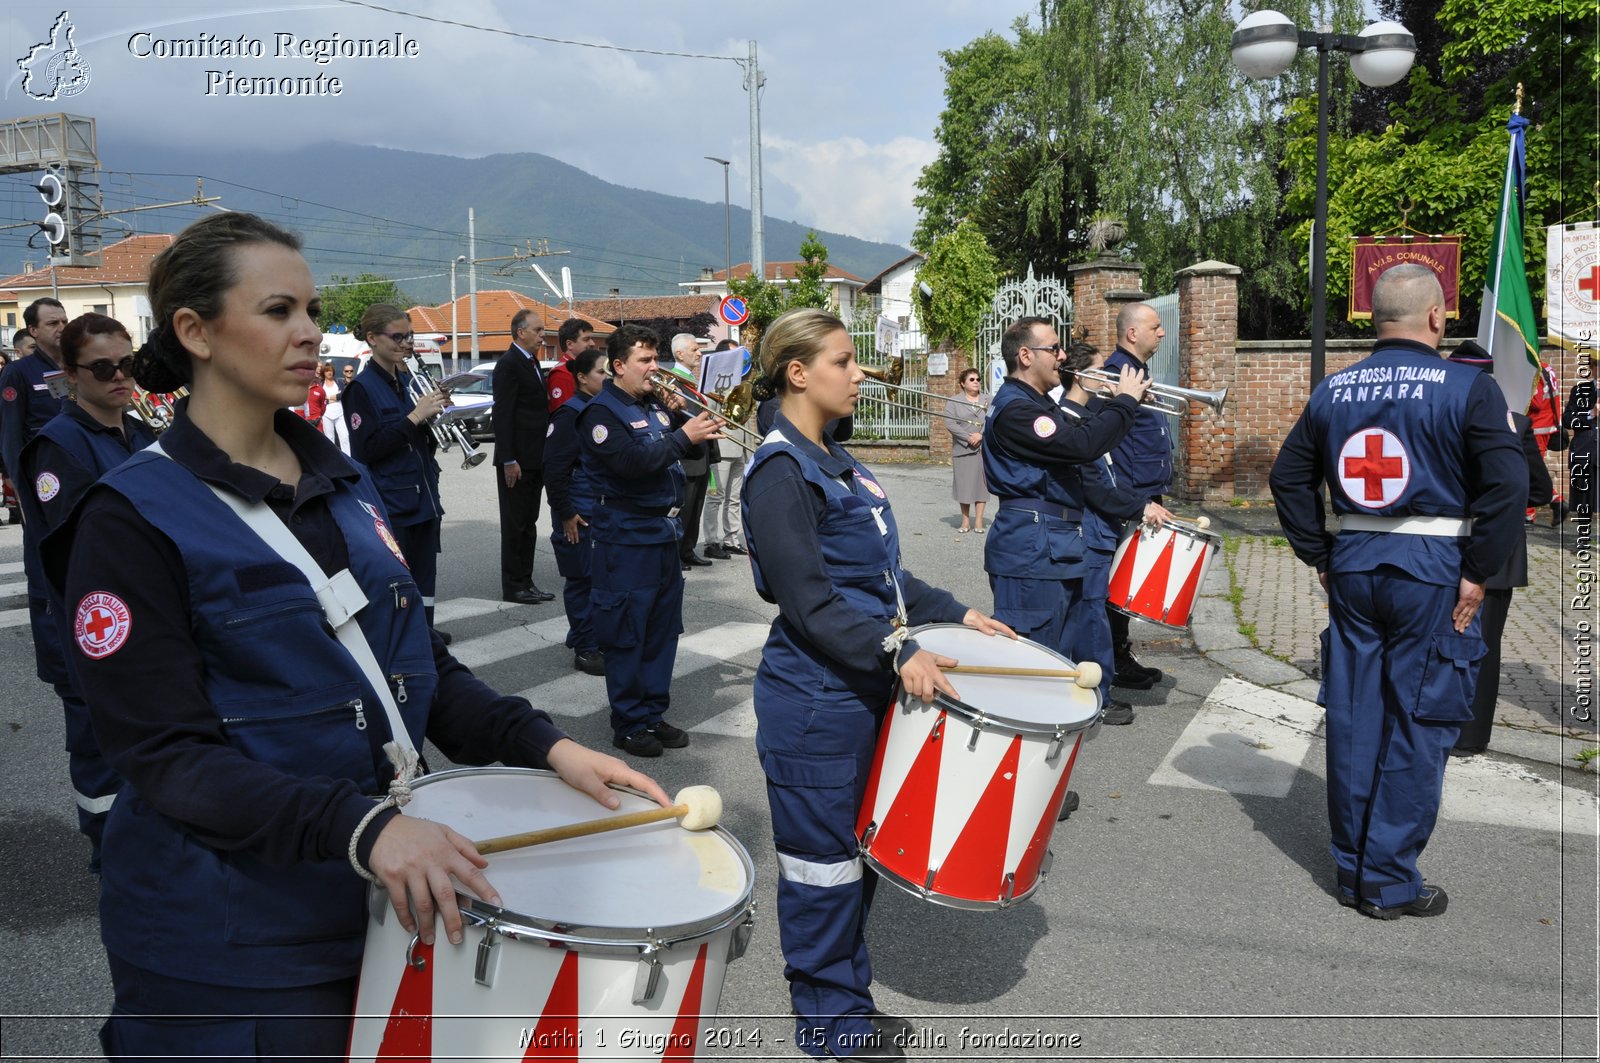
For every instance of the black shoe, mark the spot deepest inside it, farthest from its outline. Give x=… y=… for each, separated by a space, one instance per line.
x=1430 y=901
x=1467 y=751
x=694 y=560
x=528 y=596
x=669 y=736
x=593 y=662
x=732 y=549
x=877 y=1047
x=1135 y=681
x=1128 y=665
x=1558 y=512
x=1117 y=714
x=890 y=1026
x=444 y=636
x=716 y=552
x=643 y=744
x=1068 y=806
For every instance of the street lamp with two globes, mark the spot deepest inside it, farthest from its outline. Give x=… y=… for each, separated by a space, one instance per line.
x=1264 y=44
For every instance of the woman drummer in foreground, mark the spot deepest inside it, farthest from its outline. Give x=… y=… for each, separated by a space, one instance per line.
x=824 y=548
x=249 y=737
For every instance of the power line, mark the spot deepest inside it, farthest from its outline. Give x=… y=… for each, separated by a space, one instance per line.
x=537 y=37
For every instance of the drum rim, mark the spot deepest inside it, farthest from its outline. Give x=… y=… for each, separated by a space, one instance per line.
x=989 y=721
x=517 y=925
x=948 y=900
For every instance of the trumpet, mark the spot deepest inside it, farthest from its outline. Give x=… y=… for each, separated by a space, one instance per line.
x=1167 y=398
x=157 y=416
x=734 y=431
x=445 y=432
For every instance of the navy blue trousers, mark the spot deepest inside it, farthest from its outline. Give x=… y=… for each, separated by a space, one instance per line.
x=420 y=545
x=158 y=1017
x=1088 y=635
x=1398 y=685
x=1036 y=609
x=572 y=562
x=637 y=614
x=817 y=757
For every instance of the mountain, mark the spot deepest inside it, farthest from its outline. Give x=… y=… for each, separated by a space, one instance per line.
x=403 y=214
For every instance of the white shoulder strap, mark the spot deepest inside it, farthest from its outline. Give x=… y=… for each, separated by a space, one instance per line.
x=339 y=595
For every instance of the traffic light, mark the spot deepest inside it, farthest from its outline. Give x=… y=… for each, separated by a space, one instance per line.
x=56 y=226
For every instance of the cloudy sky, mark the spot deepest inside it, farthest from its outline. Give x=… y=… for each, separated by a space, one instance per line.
x=852 y=91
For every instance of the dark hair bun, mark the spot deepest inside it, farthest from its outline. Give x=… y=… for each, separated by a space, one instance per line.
x=161 y=366
x=762 y=389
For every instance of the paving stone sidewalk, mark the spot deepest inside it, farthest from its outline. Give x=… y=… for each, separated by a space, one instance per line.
x=1262 y=611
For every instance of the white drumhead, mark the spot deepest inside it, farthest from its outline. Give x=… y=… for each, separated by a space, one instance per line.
x=658 y=875
x=1030 y=700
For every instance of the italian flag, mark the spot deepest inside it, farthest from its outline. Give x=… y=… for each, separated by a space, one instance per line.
x=1507 y=328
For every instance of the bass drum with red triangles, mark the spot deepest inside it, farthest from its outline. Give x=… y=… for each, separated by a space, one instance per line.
x=610 y=946
x=964 y=794
x=1157 y=573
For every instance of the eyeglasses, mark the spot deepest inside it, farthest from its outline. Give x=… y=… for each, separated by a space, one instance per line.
x=348 y=371
x=106 y=370
x=1052 y=347
x=398 y=337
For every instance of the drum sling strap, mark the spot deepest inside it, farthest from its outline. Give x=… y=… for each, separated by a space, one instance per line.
x=340 y=598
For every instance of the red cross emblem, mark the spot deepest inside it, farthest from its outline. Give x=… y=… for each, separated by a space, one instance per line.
x=1591 y=283
x=102 y=625
x=1374 y=468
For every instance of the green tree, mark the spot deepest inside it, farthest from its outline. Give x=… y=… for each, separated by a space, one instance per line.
x=345 y=300
x=961 y=272
x=808 y=289
x=765 y=300
x=1443 y=149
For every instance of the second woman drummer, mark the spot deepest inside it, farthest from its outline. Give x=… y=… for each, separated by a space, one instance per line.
x=389 y=434
x=824 y=547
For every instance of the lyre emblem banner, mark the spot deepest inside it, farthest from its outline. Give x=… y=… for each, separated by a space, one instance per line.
x=1371 y=255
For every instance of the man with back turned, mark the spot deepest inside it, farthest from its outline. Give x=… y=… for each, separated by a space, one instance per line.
x=1429 y=481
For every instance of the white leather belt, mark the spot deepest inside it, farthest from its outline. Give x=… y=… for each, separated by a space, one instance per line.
x=1448 y=527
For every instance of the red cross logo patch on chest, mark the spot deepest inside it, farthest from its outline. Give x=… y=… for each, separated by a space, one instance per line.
x=1374 y=468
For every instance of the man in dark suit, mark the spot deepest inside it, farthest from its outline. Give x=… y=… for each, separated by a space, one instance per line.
x=521 y=417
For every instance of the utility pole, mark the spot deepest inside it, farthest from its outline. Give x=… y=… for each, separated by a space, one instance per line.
x=472 y=277
x=758 y=253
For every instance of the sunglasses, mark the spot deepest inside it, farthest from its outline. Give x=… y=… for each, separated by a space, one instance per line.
x=399 y=337
x=1054 y=348
x=106 y=370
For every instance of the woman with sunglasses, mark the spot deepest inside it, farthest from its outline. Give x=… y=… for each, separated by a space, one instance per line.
x=93 y=434
x=232 y=900
x=390 y=436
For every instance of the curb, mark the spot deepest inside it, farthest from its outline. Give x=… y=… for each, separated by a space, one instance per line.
x=1214 y=630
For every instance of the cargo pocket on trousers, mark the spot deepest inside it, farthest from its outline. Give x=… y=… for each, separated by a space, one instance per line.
x=613 y=620
x=1448 y=678
x=813 y=801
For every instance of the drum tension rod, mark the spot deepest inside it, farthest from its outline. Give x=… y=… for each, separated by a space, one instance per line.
x=487 y=962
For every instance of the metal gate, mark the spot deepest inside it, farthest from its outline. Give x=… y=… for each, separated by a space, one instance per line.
x=889 y=416
x=1015 y=299
x=1164 y=363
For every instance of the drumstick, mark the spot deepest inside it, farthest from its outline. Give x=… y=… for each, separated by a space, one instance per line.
x=698 y=807
x=1086 y=675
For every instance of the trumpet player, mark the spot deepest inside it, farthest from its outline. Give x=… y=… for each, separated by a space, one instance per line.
x=390 y=435
x=630 y=443
x=1144 y=458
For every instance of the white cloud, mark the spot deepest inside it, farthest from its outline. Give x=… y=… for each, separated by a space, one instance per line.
x=848 y=185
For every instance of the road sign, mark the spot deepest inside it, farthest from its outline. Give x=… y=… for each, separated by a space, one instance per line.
x=733 y=310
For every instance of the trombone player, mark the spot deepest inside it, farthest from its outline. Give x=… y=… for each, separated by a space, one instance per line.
x=391 y=436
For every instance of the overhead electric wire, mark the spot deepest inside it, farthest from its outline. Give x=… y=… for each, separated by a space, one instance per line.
x=539 y=37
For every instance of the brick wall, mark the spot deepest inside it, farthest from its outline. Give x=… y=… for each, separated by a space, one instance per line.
x=1099 y=290
x=1208 y=316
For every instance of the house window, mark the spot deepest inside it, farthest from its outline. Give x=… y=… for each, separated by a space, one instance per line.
x=101 y=308
x=905 y=321
x=11 y=320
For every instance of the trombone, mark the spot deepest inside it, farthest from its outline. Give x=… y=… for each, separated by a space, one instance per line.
x=445 y=431
x=735 y=406
x=157 y=414
x=1167 y=398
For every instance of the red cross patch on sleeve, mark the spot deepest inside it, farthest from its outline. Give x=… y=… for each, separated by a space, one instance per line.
x=102 y=625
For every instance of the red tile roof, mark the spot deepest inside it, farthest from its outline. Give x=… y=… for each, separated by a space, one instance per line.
x=648 y=307
x=495 y=311
x=789 y=271
x=125 y=262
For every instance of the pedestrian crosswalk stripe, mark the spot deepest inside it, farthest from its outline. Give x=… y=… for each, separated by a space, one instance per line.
x=1244 y=740
x=465 y=608
x=510 y=642
x=1253 y=740
x=737 y=722
x=578 y=694
x=11 y=568
x=9 y=590
x=13 y=617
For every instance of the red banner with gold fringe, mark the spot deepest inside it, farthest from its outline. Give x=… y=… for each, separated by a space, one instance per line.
x=1371 y=255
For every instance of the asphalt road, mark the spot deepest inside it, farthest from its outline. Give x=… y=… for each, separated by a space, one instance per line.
x=1184 y=921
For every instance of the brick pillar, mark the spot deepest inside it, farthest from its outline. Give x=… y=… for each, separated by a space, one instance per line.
x=1099 y=289
x=1208 y=316
x=943 y=387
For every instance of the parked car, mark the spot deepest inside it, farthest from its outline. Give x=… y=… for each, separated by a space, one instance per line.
x=473 y=404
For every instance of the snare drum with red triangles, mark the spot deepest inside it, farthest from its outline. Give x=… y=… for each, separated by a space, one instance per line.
x=611 y=946
x=1156 y=574
x=964 y=794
